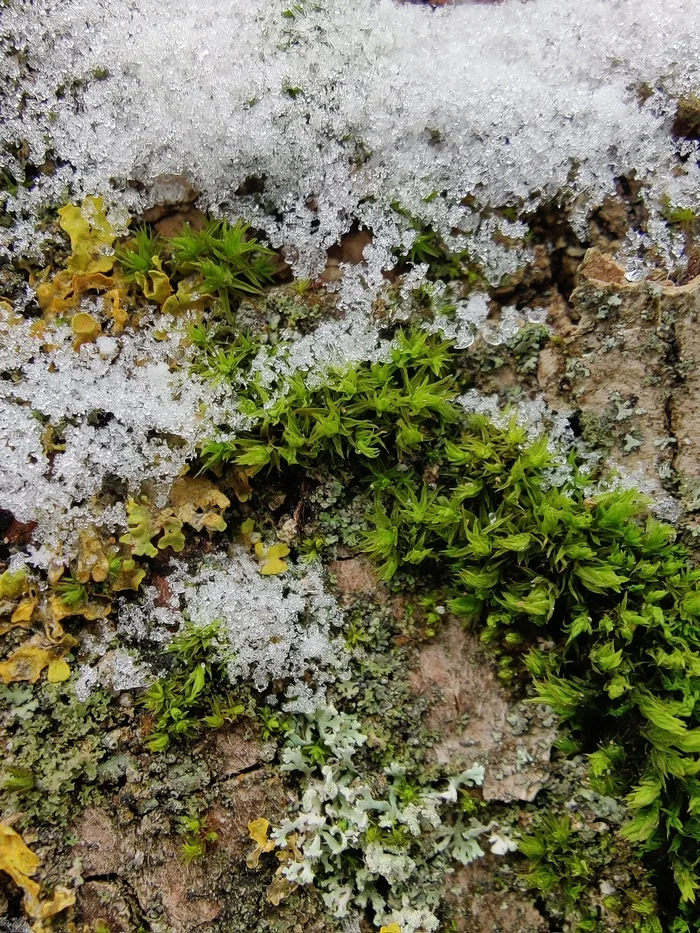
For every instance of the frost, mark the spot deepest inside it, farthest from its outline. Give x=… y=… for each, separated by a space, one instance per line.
x=88 y=681
x=149 y=622
x=353 y=339
x=117 y=672
x=122 y=412
x=532 y=414
x=470 y=316
x=513 y=104
x=274 y=627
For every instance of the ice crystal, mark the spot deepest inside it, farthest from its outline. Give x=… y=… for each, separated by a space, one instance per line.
x=73 y=423
x=335 y=343
x=342 y=109
x=471 y=318
x=275 y=627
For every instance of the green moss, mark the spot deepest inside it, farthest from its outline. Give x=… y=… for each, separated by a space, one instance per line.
x=189 y=697
x=138 y=256
x=393 y=407
x=197 y=836
x=470 y=506
x=220 y=264
x=228 y=261
x=577 y=873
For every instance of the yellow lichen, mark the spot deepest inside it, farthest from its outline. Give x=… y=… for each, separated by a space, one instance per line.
x=156 y=284
x=142 y=527
x=239 y=481
x=24 y=612
x=13 y=583
x=90 y=610
x=199 y=503
x=62 y=294
x=58 y=671
x=52 y=295
x=30 y=659
x=184 y=299
x=86 y=329
x=120 y=317
x=22 y=616
x=194 y=501
x=93 y=560
x=248 y=532
x=129 y=576
x=270 y=558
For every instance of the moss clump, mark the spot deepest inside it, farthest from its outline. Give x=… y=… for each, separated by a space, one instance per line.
x=384 y=409
x=587 y=877
x=189 y=697
x=532 y=556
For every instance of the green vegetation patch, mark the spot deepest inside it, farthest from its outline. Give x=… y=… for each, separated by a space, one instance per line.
x=192 y=694
x=585 y=591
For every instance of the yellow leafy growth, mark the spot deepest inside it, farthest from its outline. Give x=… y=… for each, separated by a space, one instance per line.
x=86 y=329
x=93 y=560
x=58 y=671
x=271 y=558
x=100 y=560
x=199 y=503
x=257 y=831
x=156 y=285
x=30 y=659
x=91 y=236
x=19 y=862
x=62 y=294
x=22 y=616
x=183 y=299
x=90 y=610
x=13 y=583
x=194 y=501
x=129 y=577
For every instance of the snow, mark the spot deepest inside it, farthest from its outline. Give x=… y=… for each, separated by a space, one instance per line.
x=275 y=627
x=345 y=111
x=272 y=628
x=129 y=415
x=343 y=108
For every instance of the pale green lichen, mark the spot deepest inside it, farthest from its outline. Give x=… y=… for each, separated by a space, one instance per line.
x=353 y=837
